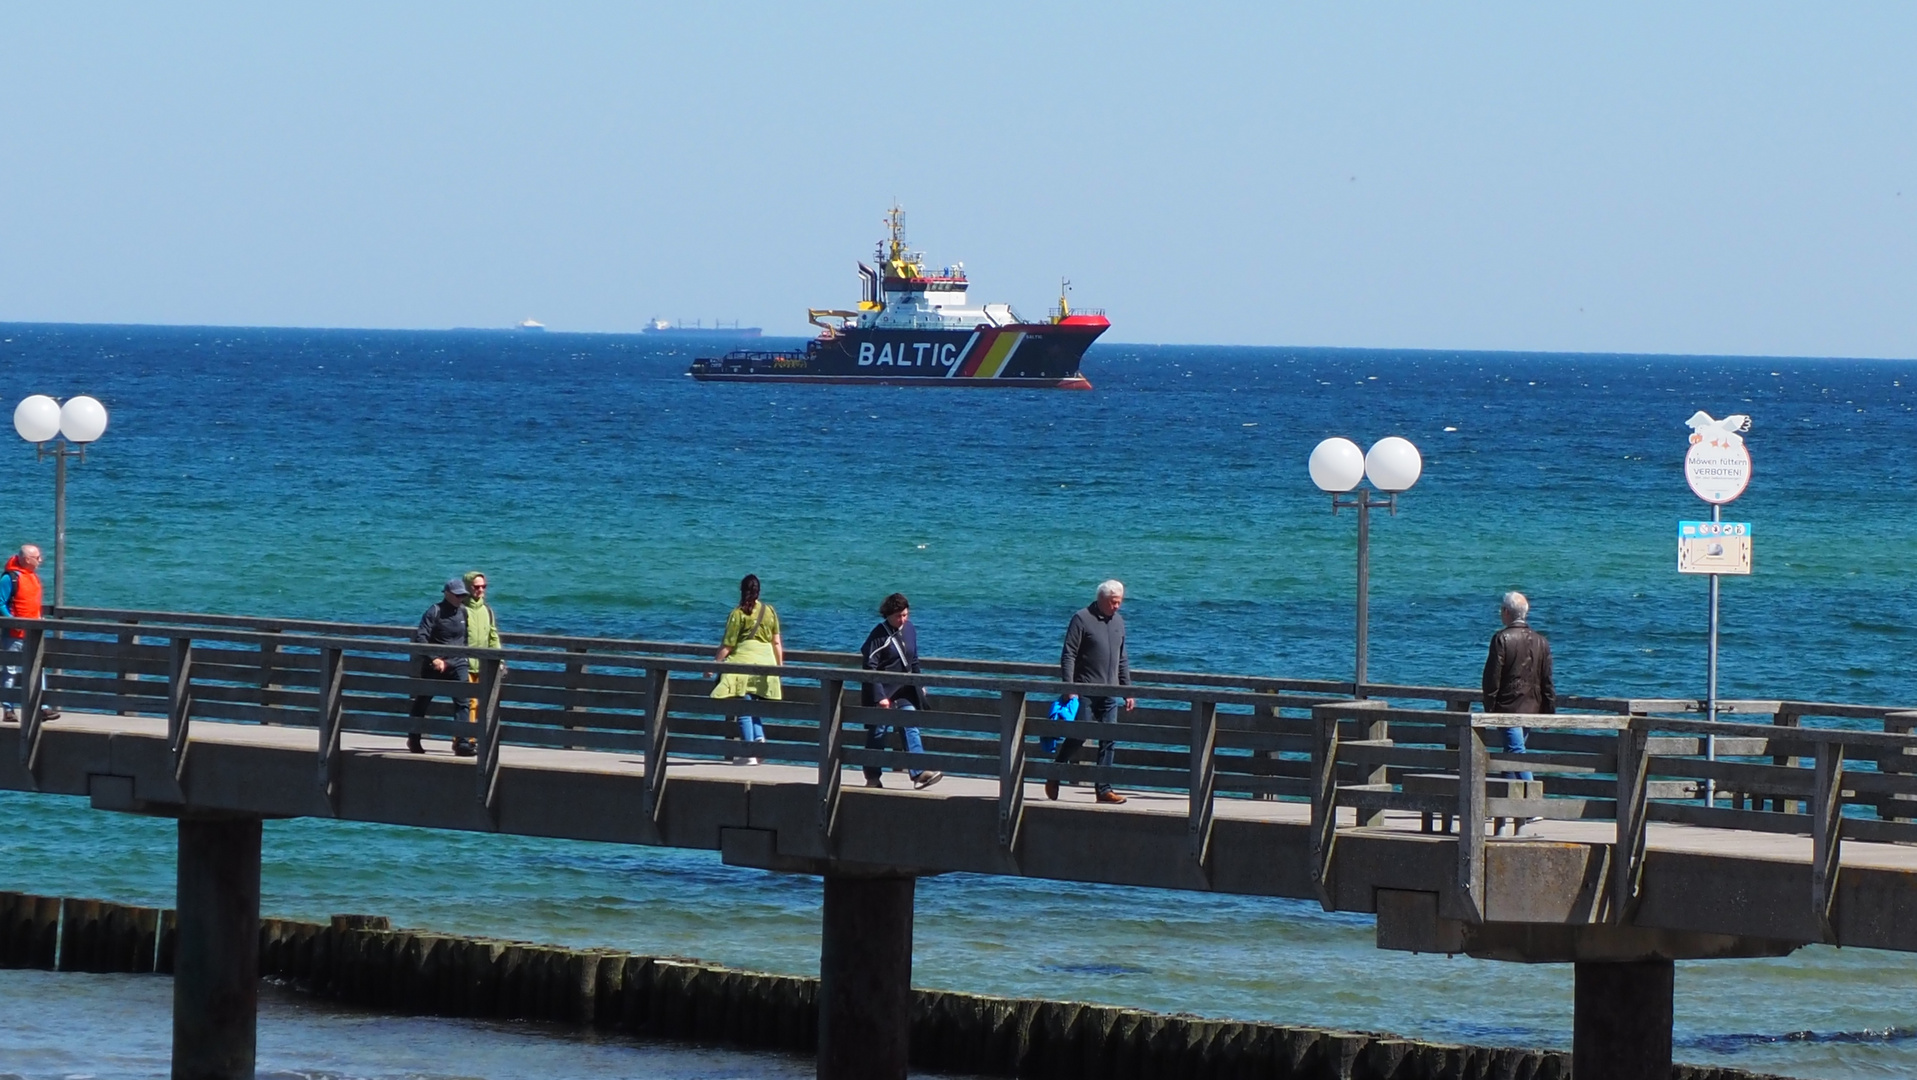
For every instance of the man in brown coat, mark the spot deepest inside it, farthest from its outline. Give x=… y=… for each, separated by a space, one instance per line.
x=1517 y=672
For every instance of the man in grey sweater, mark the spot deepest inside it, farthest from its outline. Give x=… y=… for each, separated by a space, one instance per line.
x=1095 y=653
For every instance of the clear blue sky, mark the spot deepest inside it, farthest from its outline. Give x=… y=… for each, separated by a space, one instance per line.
x=1718 y=178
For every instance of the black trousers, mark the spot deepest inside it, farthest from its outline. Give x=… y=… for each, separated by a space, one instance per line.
x=454 y=673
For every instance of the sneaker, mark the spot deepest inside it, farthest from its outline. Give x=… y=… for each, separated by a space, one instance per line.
x=413 y=745
x=49 y=712
x=9 y=717
x=927 y=778
x=1110 y=798
x=465 y=748
x=1051 y=790
x=752 y=761
x=875 y=782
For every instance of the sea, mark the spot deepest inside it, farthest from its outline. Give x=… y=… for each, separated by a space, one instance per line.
x=339 y=474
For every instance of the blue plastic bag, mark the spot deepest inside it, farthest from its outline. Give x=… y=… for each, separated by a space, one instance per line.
x=1064 y=710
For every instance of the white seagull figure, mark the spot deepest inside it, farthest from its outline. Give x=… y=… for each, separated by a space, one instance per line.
x=1728 y=430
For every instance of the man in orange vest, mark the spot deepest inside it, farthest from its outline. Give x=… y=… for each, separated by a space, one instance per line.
x=20 y=597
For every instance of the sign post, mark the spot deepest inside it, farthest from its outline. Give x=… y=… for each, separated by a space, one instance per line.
x=1718 y=468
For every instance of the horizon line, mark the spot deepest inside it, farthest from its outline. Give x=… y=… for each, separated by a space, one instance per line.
x=513 y=330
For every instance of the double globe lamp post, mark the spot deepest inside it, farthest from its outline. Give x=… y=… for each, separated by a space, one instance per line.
x=41 y=420
x=1338 y=467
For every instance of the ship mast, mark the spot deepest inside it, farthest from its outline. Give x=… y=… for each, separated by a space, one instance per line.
x=899 y=262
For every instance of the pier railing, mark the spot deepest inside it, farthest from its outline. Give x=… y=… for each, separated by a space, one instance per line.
x=1827 y=771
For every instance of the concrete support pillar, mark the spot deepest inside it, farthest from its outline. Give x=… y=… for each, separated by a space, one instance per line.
x=865 y=978
x=1622 y=1026
x=216 y=960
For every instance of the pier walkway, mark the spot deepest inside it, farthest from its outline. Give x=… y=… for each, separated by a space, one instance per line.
x=1378 y=799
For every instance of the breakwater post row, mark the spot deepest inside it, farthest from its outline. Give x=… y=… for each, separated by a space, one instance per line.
x=363 y=961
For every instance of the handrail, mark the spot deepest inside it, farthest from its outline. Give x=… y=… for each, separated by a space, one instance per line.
x=1305 y=739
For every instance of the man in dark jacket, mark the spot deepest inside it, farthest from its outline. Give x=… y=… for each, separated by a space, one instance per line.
x=443 y=624
x=893 y=646
x=1094 y=653
x=1517 y=672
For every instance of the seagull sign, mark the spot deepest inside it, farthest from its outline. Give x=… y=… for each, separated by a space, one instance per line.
x=1730 y=428
x=1718 y=465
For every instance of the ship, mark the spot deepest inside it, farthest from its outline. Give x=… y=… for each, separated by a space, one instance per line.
x=660 y=328
x=914 y=328
x=530 y=324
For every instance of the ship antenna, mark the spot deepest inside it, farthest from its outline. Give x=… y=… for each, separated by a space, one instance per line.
x=1064 y=307
x=895 y=224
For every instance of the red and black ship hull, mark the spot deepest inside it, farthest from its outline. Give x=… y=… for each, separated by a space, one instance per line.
x=1036 y=355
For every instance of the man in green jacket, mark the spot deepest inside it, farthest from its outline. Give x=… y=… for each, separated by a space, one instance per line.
x=482 y=631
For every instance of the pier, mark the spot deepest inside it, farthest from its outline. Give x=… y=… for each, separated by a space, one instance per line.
x=1377 y=798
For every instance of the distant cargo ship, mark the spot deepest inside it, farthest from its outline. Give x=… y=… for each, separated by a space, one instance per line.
x=530 y=324
x=914 y=328
x=663 y=329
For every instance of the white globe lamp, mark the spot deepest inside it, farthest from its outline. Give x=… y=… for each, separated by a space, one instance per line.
x=37 y=418
x=82 y=419
x=1393 y=464
x=1337 y=465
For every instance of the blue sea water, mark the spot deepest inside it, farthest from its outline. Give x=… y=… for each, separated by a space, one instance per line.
x=340 y=474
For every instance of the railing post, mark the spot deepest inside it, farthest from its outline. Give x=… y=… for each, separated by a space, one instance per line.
x=1375 y=731
x=575 y=668
x=332 y=675
x=1473 y=763
x=575 y=674
x=1201 y=800
x=831 y=752
x=129 y=642
x=32 y=697
x=269 y=658
x=1627 y=852
x=1324 y=800
x=1786 y=716
x=492 y=676
x=179 y=701
x=659 y=691
x=1011 y=767
x=1898 y=761
x=1827 y=824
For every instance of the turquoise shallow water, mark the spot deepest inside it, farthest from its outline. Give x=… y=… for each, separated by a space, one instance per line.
x=344 y=475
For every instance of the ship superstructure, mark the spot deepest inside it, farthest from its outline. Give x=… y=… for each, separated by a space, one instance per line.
x=915 y=327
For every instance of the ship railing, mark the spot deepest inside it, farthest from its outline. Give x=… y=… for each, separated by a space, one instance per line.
x=757 y=355
x=1059 y=314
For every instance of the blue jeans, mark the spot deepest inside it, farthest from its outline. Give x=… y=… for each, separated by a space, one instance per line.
x=1098 y=710
x=876 y=734
x=1514 y=744
x=11 y=682
x=751 y=728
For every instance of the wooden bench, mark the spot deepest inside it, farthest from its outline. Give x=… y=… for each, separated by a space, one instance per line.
x=1504 y=798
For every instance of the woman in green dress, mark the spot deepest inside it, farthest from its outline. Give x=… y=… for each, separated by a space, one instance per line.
x=752 y=637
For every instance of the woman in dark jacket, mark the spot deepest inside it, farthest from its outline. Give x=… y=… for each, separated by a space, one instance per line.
x=893 y=647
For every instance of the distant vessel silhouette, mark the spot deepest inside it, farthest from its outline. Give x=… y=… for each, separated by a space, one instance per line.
x=531 y=324
x=662 y=328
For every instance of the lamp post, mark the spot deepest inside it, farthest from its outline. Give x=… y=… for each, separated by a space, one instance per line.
x=1337 y=467
x=40 y=420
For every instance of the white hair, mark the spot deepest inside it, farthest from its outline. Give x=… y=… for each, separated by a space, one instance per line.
x=1515 y=603
x=1113 y=587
